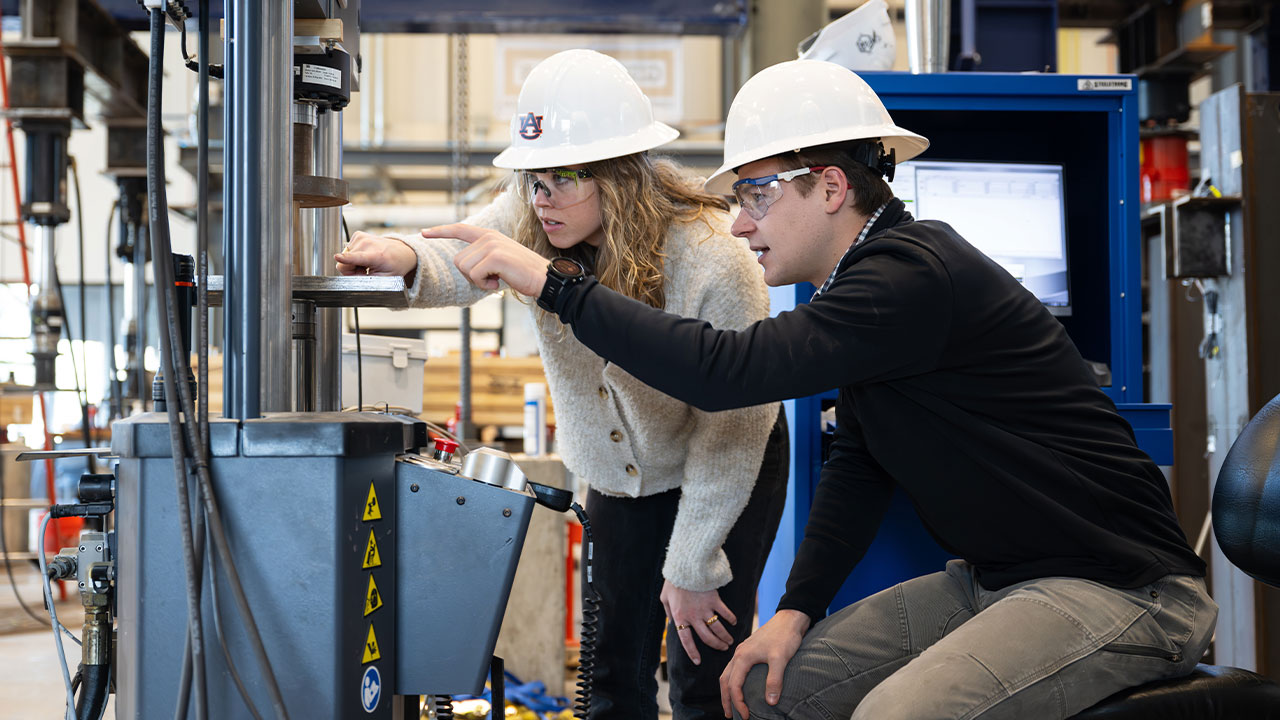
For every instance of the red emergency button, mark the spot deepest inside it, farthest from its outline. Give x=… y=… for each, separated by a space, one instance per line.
x=445 y=449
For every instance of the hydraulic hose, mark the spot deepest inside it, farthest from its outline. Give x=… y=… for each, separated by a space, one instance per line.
x=590 y=620
x=173 y=359
x=95 y=687
x=163 y=268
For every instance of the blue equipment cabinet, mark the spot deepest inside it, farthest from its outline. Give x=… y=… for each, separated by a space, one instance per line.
x=1089 y=125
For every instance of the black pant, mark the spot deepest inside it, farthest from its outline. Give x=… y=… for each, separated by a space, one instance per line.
x=631 y=536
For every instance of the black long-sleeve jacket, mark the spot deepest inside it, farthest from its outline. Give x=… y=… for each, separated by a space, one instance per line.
x=955 y=383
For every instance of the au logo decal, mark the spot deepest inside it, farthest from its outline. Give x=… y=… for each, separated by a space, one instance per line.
x=531 y=126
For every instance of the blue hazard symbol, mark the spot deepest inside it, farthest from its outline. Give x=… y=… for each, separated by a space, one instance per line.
x=370 y=689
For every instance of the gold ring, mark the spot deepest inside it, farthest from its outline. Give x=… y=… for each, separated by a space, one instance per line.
x=712 y=620
x=681 y=627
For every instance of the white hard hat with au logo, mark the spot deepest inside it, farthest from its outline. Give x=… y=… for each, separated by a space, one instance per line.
x=580 y=106
x=801 y=104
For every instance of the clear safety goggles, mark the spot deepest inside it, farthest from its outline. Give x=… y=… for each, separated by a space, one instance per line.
x=755 y=195
x=561 y=187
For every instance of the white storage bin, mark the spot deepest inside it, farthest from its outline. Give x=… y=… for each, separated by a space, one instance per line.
x=393 y=368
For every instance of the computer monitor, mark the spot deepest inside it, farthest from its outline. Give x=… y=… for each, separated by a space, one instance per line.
x=1012 y=212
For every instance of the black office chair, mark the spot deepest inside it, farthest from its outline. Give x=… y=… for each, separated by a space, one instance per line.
x=1246 y=521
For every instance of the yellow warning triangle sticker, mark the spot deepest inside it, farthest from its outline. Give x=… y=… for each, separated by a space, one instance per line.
x=372 y=600
x=372 y=511
x=371 y=647
x=371 y=557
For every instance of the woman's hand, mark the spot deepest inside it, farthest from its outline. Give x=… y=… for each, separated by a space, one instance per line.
x=492 y=256
x=701 y=613
x=368 y=254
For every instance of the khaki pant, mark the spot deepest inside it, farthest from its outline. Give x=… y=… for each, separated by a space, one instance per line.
x=942 y=646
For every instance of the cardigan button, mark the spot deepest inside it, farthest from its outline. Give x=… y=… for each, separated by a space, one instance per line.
x=632 y=471
x=603 y=393
x=615 y=436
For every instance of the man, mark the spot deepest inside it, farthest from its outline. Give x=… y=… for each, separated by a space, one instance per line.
x=1074 y=578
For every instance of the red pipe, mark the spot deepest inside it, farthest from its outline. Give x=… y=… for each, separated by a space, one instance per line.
x=26 y=278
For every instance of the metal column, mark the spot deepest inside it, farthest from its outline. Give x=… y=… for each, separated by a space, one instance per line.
x=259 y=164
x=328 y=242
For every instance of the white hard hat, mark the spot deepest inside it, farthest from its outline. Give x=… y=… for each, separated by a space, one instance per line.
x=580 y=106
x=800 y=104
x=859 y=40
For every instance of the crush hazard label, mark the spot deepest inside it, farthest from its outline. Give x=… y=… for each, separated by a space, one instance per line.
x=372 y=598
x=371 y=557
x=371 y=652
x=372 y=510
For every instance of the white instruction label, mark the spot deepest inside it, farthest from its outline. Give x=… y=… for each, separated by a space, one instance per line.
x=321 y=75
x=1104 y=84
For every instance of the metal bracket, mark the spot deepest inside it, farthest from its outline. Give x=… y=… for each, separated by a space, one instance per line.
x=102 y=452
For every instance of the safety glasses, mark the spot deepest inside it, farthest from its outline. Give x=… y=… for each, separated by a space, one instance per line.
x=561 y=187
x=755 y=195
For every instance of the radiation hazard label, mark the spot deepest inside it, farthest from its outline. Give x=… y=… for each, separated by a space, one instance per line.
x=371 y=647
x=371 y=557
x=372 y=600
x=372 y=510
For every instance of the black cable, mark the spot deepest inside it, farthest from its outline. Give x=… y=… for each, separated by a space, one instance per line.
x=355 y=313
x=90 y=461
x=116 y=406
x=222 y=640
x=8 y=564
x=203 y=66
x=162 y=266
x=202 y=225
x=82 y=395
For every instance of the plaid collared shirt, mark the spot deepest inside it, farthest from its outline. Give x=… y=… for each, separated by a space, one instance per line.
x=866 y=230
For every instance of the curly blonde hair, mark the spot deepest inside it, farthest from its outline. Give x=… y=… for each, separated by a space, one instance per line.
x=640 y=197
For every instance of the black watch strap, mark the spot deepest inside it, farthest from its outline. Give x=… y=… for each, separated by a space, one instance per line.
x=561 y=273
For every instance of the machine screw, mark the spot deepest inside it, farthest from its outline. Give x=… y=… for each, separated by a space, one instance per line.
x=413 y=487
x=462 y=500
x=506 y=512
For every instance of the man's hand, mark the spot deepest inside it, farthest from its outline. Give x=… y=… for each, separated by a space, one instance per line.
x=774 y=644
x=492 y=256
x=690 y=611
x=368 y=254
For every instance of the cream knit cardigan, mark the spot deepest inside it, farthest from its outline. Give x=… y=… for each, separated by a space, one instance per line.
x=625 y=438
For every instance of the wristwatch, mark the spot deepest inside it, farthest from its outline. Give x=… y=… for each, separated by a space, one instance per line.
x=561 y=273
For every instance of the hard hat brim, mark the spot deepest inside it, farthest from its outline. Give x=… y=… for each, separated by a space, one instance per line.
x=528 y=158
x=904 y=143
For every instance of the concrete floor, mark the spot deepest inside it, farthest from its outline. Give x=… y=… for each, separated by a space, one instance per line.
x=31 y=685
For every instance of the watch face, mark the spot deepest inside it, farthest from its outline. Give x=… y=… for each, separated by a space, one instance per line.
x=566 y=267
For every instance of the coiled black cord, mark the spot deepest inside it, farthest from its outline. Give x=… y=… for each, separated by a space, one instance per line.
x=444 y=707
x=590 y=620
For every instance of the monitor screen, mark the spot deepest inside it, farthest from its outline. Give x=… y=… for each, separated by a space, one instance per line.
x=1012 y=212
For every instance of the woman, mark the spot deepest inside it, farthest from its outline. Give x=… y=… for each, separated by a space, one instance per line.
x=684 y=503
